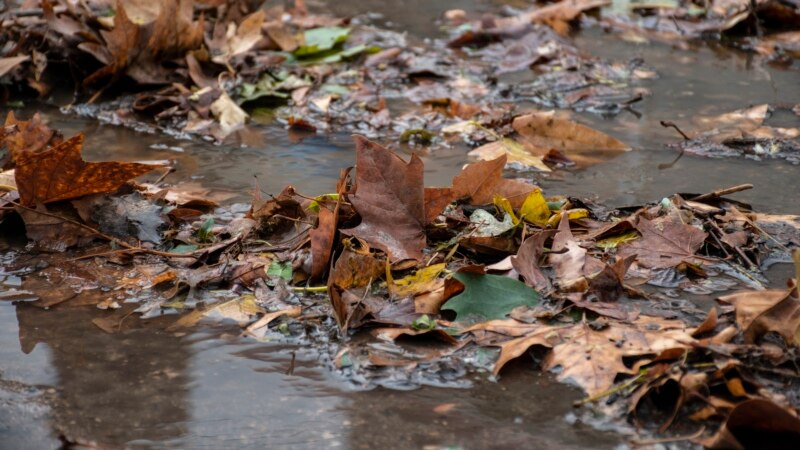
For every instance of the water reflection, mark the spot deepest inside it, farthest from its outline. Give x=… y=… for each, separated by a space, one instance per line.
x=113 y=388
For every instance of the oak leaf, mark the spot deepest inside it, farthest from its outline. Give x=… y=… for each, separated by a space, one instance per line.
x=390 y=198
x=60 y=173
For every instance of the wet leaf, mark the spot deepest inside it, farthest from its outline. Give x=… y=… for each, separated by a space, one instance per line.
x=487 y=297
x=513 y=150
x=479 y=182
x=423 y=280
x=762 y=312
x=390 y=200
x=757 y=423
x=541 y=132
x=60 y=173
x=534 y=209
x=8 y=64
x=665 y=243
x=526 y=261
x=321 y=39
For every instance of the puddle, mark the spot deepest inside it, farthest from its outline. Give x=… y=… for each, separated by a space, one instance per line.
x=211 y=389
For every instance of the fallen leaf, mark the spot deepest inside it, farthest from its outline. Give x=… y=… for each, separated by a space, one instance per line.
x=8 y=64
x=513 y=150
x=436 y=199
x=488 y=297
x=479 y=182
x=526 y=262
x=322 y=241
x=541 y=132
x=60 y=173
x=390 y=199
x=665 y=243
x=757 y=424
x=761 y=312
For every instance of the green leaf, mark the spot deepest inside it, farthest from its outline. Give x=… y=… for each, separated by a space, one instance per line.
x=183 y=248
x=488 y=297
x=204 y=232
x=283 y=270
x=423 y=323
x=321 y=39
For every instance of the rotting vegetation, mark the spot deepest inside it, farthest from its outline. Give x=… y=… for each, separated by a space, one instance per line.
x=436 y=280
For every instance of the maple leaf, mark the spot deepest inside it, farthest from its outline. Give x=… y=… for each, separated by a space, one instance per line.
x=59 y=173
x=479 y=182
x=665 y=243
x=26 y=136
x=390 y=198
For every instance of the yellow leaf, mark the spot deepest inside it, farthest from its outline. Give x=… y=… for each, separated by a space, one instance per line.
x=614 y=241
x=535 y=209
x=423 y=280
x=503 y=204
x=572 y=214
x=515 y=151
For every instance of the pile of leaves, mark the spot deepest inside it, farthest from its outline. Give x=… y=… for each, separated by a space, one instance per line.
x=206 y=69
x=402 y=282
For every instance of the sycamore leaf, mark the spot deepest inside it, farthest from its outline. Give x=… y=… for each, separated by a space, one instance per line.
x=479 y=182
x=665 y=243
x=60 y=173
x=390 y=200
x=540 y=132
x=488 y=297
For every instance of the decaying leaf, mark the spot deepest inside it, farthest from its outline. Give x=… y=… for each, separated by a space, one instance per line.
x=479 y=182
x=60 y=173
x=390 y=198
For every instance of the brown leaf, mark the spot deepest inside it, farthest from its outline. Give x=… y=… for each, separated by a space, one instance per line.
x=122 y=47
x=592 y=358
x=60 y=173
x=479 y=182
x=569 y=260
x=757 y=424
x=51 y=233
x=665 y=243
x=541 y=132
x=27 y=136
x=322 y=240
x=390 y=199
x=436 y=200
x=761 y=312
x=351 y=270
x=8 y=64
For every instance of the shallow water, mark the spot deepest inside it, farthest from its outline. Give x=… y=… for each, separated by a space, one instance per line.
x=211 y=389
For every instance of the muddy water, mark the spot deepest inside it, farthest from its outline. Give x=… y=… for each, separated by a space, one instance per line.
x=212 y=389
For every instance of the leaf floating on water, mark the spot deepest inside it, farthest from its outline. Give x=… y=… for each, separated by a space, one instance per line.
x=60 y=173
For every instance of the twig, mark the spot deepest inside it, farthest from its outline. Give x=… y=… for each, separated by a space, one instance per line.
x=313 y=289
x=721 y=192
x=613 y=390
x=668 y=124
x=170 y=170
x=121 y=243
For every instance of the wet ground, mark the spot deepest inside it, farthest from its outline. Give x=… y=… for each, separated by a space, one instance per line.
x=211 y=389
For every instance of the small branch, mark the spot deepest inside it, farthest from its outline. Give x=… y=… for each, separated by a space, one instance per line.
x=721 y=193
x=665 y=440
